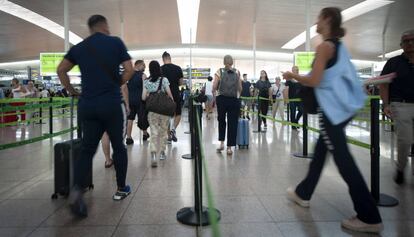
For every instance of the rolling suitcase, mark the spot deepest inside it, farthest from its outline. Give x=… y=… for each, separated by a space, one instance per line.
x=243 y=134
x=65 y=154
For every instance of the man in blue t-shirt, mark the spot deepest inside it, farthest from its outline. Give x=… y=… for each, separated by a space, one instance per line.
x=101 y=107
x=136 y=106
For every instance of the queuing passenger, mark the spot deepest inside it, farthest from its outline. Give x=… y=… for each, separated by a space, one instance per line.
x=18 y=92
x=174 y=74
x=264 y=89
x=208 y=90
x=293 y=92
x=228 y=85
x=398 y=100
x=133 y=90
x=32 y=92
x=100 y=107
x=332 y=69
x=158 y=122
x=245 y=103
x=278 y=96
x=2 y=93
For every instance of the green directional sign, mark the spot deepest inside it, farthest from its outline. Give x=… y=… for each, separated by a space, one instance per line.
x=49 y=63
x=304 y=61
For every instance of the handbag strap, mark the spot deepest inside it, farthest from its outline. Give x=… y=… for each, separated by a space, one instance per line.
x=159 y=86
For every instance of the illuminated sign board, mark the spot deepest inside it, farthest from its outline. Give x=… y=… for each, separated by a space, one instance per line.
x=304 y=60
x=49 y=63
x=197 y=73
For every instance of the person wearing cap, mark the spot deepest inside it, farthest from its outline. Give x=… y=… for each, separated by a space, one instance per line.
x=398 y=100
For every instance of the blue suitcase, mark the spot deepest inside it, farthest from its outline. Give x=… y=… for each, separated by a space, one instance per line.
x=243 y=134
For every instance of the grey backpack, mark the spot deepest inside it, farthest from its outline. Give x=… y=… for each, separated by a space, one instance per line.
x=229 y=82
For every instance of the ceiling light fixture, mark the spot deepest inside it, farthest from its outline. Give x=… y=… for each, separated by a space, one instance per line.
x=36 y=19
x=347 y=14
x=188 y=15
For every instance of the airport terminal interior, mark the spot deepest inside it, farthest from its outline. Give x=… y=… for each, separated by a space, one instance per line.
x=238 y=194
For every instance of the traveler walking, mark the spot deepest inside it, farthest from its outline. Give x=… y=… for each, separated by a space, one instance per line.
x=100 y=106
x=398 y=100
x=133 y=90
x=158 y=122
x=174 y=74
x=208 y=90
x=332 y=71
x=228 y=85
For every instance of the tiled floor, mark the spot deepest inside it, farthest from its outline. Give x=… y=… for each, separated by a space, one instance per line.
x=248 y=188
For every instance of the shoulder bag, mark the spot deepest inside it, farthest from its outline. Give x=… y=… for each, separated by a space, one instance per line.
x=159 y=102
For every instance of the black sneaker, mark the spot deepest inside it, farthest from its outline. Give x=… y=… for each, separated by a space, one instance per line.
x=145 y=136
x=248 y=117
x=122 y=193
x=399 y=177
x=129 y=141
x=173 y=137
x=77 y=205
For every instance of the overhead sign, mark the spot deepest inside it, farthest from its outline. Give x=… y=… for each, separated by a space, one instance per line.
x=49 y=63
x=197 y=73
x=304 y=60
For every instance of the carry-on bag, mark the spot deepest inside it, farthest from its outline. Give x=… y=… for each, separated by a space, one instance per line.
x=65 y=153
x=243 y=134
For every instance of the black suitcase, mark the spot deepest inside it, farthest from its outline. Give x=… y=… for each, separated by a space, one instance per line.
x=65 y=154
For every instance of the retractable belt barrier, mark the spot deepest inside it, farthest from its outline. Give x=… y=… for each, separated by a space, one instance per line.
x=199 y=215
x=372 y=105
x=34 y=108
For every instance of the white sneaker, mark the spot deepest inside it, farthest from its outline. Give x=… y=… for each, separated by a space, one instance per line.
x=356 y=224
x=154 y=162
x=162 y=155
x=291 y=194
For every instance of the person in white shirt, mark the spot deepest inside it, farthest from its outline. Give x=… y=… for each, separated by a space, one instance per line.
x=279 y=97
x=208 y=90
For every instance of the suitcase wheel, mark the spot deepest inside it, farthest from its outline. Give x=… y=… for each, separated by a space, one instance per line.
x=54 y=196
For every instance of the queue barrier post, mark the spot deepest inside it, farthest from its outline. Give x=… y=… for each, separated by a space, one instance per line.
x=199 y=214
x=304 y=153
x=383 y=200
x=288 y=111
x=190 y=119
x=259 y=119
x=50 y=115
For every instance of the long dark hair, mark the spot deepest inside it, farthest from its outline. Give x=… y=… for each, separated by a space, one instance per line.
x=155 y=70
x=267 y=78
x=335 y=20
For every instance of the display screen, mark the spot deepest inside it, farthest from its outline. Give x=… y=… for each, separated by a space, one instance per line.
x=304 y=60
x=49 y=63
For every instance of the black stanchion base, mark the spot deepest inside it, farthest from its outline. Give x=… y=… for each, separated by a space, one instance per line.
x=387 y=201
x=187 y=157
x=301 y=155
x=188 y=216
x=187 y=132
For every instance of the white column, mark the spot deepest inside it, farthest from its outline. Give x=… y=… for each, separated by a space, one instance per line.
x=254 y=50
x=66 y=23
x=308 y=24
x=190 y=78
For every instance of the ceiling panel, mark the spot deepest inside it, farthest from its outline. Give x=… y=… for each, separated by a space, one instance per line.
x=222 y=24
